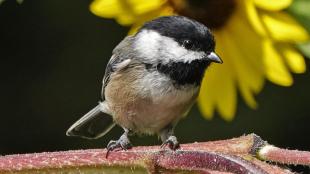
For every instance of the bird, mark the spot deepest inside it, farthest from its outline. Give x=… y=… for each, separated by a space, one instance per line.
x=151 y=81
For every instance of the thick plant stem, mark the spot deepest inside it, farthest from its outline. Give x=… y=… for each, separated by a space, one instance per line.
x=235 y=155
x=284 y=156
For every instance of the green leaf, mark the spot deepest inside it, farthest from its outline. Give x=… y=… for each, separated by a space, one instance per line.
x=300 y=10
x=305 y=49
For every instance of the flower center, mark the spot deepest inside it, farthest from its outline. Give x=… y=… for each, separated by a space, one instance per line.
x=212 y=13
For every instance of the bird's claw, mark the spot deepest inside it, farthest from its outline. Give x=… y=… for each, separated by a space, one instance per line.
x=172 y=142
x=122 y=143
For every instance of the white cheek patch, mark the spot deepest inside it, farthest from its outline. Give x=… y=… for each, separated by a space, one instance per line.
x=147 y=44
x=155 y=47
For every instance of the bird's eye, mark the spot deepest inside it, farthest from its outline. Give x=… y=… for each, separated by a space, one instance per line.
x=188 y=44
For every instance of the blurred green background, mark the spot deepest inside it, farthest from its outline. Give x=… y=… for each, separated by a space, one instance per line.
x=53 y=55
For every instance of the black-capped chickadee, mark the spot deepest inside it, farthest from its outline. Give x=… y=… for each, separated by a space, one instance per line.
x=151 y=81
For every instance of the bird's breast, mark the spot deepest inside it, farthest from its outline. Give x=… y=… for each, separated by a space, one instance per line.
x=146 y=102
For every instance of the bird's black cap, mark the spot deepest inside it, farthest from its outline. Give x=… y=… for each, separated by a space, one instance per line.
x=183 y=29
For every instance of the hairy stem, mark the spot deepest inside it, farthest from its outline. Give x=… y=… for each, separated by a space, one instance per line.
x=237 y=155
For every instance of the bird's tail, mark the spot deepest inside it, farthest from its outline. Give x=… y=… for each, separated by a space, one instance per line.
x=95 y=124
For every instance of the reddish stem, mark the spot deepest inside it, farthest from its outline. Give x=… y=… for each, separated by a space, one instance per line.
x=284 y=156
x=217 y=157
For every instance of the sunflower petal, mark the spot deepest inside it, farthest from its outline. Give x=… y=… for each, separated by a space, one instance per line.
x=243 y=37
x=206 y=98
x=276 y=70
x=164 y=11
x=126 y=12
x=105 y=8
x=273 y=5
x=247 y=10
x=282 y=27
x=248 y=62
x=113 y=9
x=226 y=99
x=142 y=6
x=294 y=60
x=218 y=88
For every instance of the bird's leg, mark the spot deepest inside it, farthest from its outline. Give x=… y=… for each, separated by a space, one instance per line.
x=123 y=142
x=168 y=138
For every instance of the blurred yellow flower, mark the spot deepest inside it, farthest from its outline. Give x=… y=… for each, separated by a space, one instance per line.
x=255 y=38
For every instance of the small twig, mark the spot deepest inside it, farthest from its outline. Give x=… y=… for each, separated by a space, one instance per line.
x=284 y=156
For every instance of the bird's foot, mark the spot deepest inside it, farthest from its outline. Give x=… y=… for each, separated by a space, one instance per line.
x=123 y=143
x=172 y=142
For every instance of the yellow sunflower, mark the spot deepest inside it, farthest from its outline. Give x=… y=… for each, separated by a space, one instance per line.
x=255 y=38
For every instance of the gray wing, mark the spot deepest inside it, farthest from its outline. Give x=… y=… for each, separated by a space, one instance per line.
x=121 y=58
x=94 y=124
x=97 y=122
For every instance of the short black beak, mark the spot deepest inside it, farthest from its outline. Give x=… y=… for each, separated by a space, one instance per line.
x=214 y=58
